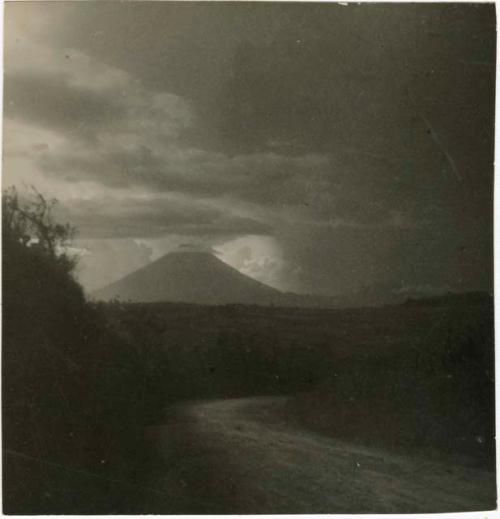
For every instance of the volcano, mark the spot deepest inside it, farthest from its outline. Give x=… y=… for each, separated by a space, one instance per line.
x=190 y=277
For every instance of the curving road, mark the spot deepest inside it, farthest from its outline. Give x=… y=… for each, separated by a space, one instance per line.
x=246 y=456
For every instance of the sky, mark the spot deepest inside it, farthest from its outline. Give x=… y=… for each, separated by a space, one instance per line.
x=320 y=148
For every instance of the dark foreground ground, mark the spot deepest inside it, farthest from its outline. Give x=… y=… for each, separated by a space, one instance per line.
x=247 y=456
x=386 y=410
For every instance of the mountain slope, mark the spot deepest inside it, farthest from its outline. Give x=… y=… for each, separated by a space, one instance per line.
x=190 y=277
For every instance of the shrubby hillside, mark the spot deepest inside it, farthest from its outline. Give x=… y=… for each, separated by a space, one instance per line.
x=435 y=394
x=73 y=392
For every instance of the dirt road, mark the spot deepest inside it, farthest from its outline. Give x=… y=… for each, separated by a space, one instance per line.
x=246 y=456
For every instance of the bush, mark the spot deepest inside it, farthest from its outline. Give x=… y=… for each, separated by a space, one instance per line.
x=69 y=426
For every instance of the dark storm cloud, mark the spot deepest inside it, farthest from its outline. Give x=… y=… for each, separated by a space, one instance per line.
x=361 y=136
x=413 y=83
x=387 y=258
x=263 y=179
x=297 y=75
x=126 y=167
x=48 y=100
x=139 y=218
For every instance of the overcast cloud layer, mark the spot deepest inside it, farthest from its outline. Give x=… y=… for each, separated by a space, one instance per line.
x=319 y=148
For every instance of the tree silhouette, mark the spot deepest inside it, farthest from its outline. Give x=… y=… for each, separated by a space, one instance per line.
x=63 y=374
x=30 y=222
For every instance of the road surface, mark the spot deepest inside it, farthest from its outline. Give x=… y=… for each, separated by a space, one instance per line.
x=244 y=456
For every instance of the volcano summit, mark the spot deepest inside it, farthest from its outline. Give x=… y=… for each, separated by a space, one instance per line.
x=190 y=277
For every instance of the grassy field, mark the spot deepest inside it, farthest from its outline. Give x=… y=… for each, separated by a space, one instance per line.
x=413 y=376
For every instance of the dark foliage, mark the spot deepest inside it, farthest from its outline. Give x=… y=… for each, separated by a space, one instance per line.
x=72 y=411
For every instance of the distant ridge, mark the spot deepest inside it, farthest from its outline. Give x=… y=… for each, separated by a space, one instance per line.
x=190 y=277
x=202 y=278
